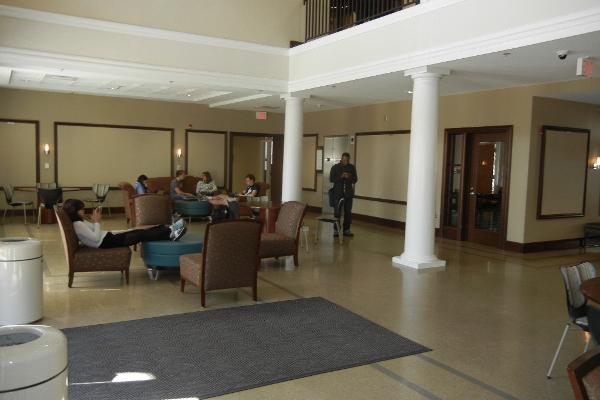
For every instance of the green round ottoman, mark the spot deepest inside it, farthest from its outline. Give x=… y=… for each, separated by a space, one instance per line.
x=193 y=208
x=164 y=254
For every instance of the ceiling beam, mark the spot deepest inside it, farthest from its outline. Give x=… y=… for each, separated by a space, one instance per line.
x=239 y=100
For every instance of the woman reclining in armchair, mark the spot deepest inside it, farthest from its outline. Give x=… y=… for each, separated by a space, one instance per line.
x=90 y=234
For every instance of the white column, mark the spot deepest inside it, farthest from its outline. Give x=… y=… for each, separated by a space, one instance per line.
x=292 y=149
x=419 y=242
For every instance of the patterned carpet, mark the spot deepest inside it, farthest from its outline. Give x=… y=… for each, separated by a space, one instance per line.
x=210 y=353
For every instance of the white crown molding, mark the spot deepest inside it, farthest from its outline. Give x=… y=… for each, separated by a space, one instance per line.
x=117 y=27
x=411 y=12
x=12 y=57
x=551 y=29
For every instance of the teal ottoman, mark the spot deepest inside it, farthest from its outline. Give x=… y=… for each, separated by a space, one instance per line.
x=193 y=208
x=164 y=254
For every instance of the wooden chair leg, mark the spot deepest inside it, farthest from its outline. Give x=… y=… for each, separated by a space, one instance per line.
x=71 y=274
x=254 y=292
x=202 y=297
x=296 y=258
x=127 y=276
x=182 y=285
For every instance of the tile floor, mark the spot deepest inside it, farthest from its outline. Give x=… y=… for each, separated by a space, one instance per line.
x=492 y=318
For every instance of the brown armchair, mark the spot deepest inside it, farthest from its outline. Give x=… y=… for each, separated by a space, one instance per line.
x=163 y=184
x=151 y=209
x=262 y=188
x=284 y=241
x=189 y=184
x=159 y=184
x=87 y=259
x=229 y=258
x=128 y=193
x=584 y=374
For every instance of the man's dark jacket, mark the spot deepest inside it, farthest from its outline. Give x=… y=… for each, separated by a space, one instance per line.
x=343 y=187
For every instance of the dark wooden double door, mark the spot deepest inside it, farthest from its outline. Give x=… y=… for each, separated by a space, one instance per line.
x=476 y=184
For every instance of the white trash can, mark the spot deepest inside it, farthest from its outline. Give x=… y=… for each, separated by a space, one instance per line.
x=21 y=292
x=33 y=363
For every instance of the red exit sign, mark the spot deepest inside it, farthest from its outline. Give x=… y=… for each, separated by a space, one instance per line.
x=261 y=115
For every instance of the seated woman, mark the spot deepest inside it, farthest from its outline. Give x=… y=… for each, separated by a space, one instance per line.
x=140 y=185
x=90 y=234
x=251 y=187
x=206 y=186
x=223 y=207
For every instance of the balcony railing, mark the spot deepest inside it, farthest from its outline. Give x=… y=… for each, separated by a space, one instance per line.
x=328 y=16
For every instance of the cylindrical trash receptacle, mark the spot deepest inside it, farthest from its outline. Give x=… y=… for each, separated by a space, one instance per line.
x=33 y=363
x=21 y=292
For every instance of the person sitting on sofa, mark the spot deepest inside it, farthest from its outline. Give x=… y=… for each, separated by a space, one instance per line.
x=223 y=207
x=140 y=185
x=176 y=187
x=90 y=234
x=251 y=187
x=206 y=186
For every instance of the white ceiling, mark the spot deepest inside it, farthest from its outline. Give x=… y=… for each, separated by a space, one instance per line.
x=512 y=67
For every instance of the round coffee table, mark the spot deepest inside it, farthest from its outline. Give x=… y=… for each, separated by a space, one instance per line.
x=164 y=254
x=193 y=208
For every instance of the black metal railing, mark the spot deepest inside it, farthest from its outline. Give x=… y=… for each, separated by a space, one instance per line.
x=328 y=16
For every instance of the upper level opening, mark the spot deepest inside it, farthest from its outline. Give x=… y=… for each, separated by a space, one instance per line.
x=324 y=17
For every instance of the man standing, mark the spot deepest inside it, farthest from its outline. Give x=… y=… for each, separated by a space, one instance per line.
x=343 y=176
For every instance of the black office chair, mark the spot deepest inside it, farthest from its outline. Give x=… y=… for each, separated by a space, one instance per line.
x=573 y=276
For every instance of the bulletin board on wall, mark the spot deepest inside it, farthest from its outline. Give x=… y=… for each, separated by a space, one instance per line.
x=381 y=160
x=206 y=150
x=94 y=153
x=563 y=172
x=19 y=152
x=309 y=162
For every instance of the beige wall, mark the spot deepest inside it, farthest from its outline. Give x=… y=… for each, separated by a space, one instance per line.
x=499 y=107
x=271 y=22
x=17 y=158
x=566 y=114
x=247 y=153
x=206 y=151
x=50 y=107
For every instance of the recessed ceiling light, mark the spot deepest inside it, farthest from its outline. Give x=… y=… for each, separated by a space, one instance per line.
x=409 y=91
x=188 y=95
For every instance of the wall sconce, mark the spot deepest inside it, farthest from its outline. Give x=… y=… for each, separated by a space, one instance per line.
x=179 y=152
x=46 y=149
x=596 y=165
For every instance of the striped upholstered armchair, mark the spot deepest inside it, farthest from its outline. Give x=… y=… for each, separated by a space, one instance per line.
x=284 y=241
x=87 y=259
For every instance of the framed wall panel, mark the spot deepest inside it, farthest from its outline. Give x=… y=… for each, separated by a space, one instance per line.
x=381 y=160
x=563 y=172
x=19 y=152
x=206 y=150
x=99 y=153
x=309 y=162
